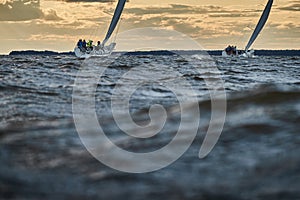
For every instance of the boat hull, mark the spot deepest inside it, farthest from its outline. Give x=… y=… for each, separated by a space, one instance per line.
x=96 y=52
x=248 y=54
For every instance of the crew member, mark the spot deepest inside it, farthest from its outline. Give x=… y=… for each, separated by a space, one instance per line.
x=90 y=44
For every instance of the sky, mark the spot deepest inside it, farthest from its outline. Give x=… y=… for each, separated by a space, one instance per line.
x=58 y=24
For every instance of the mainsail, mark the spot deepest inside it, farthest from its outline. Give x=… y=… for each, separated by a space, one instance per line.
x=260 y=24
x=115 y=20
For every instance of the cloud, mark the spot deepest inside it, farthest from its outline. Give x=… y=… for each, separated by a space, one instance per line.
x=195 y=21
x=51 y=16
x=174 y=9
x=20 y=10
x=241 y=14
x=25 y=10
x=286 y=25
x=291 y=7
x=100 y=1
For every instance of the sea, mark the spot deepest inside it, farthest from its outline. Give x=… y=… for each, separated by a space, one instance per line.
x=63 y=121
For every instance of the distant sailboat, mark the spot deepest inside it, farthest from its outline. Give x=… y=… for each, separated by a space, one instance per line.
x=231 y=51
x=102 y=49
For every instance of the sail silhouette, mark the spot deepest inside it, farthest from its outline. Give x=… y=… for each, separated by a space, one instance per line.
x=260 y=25
x=115 y=20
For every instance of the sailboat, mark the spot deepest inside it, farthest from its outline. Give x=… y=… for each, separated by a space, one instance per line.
x=232 y=51
x=102 y=49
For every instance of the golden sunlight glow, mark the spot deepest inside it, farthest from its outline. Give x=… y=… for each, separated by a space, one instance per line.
x=56 y=25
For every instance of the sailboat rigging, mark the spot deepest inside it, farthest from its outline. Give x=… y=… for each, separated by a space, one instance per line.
x=230 y=50
x=82 y=51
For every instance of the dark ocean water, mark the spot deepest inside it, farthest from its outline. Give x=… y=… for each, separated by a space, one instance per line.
x=256 y=157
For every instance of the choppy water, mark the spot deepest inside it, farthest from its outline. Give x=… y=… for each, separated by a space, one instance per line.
x=257 y=156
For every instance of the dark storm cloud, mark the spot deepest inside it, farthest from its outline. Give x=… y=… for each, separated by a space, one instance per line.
x=291 y=7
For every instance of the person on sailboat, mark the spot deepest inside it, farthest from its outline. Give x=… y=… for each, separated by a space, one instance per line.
x=228 y=50
x=105 y=48
x=231 y=50
x=84 y=45
x=234 y=52
x=98 y=46
x=89 y=45
x=80 y=44
x=98 y=43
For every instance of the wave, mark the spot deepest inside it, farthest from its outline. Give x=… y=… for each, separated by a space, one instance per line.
x=259 y=144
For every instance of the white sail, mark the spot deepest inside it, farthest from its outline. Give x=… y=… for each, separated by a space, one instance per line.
x=260 y=25
x=115 y=20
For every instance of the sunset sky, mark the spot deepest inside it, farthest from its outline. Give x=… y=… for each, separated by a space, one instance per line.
x=57 y=25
